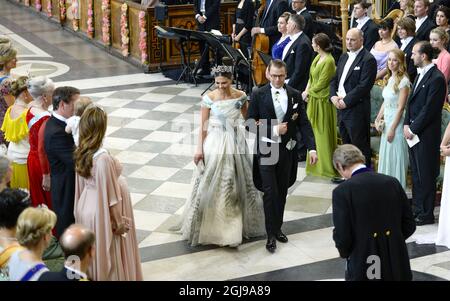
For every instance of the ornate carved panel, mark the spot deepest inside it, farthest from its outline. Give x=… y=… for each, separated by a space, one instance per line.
x=115 y=23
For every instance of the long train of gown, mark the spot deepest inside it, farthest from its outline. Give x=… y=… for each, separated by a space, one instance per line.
x=224 y=205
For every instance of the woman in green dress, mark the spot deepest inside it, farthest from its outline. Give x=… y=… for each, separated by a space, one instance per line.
x=321 y=112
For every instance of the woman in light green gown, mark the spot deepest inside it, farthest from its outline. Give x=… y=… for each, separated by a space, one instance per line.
x=321 y=112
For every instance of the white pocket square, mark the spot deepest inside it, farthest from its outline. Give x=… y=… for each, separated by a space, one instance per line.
x=292 y=51
x=295 y=106
x=357 y=68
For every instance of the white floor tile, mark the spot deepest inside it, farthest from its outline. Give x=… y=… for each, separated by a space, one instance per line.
x=159 y=238
x=162 y=136
x=154 y=173
x=181 y=149
x=145 y=124
x=149 y=221
x=114 y=102
x=176 y=190
x=155 y=97
x=172 y=107
x=128 y=113
x=135 y=157
x=137 y=197
x=118 y=143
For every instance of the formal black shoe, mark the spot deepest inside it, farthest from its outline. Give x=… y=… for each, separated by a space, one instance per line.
x=422 y=222
x=337 y=180
x=271 y=245
x=281 y=237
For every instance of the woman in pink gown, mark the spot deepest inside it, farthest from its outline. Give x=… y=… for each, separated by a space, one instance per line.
x=103 y=203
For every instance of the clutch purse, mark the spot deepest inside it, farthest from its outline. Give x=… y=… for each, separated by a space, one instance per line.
x=379 y=124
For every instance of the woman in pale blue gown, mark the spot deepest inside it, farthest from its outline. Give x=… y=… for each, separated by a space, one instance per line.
x=393 y=156
x=224 y=205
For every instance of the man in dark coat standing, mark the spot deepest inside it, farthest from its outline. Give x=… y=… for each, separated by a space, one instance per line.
x=275 y=114
x=372 y=219
x=424 y=24
x=350 y=92
x=299 y=8
x=59 y=147
x=268 y=23
x=298 y=54
x=423 y=119
x=365 y=24
x=207 y=15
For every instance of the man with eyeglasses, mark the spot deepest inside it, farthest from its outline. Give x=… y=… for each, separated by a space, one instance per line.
x=275 y=113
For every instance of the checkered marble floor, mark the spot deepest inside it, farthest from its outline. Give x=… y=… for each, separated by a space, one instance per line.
x=153 y=132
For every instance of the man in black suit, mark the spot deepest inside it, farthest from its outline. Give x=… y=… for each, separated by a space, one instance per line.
x=59 y=147
x=275 y=113
x=299 y=8
x=77 y=242
x=406 y=30
x=424 y=24
x=372 y=218
x=207 y=15
x=297 y=54
x=269 y=21
x=365 y=24
x=423 y=118
x=350 y=92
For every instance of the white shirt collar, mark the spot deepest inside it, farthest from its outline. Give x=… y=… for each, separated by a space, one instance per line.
x=406 y=40
x=421 y=19
x=362 y=21
x=295 y=36
x=425 y=69
x=360 y=166
x=355 y=53
x=298 y=13
x=273 y=89
x=76 y=271
x=59 y=117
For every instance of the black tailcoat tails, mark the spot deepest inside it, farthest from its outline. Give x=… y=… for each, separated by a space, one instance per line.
x=60 y=147
x=274 y=178
x=372 y=217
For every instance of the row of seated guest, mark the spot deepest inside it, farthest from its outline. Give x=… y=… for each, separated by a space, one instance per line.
x=408 y=7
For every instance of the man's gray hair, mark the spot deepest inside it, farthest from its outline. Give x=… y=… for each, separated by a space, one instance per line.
x=347 y=155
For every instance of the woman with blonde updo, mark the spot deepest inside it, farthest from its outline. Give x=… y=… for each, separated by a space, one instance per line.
x=103 y=203
x=33 y=232
x=7 y=62
x=16 y=132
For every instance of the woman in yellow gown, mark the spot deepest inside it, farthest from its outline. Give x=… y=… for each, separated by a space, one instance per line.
x=15 y=130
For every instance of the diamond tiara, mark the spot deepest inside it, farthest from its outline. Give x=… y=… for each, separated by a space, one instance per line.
x=222 y=69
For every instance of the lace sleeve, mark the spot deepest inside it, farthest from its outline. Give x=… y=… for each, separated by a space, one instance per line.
x=206 y=102
x=404 y=83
